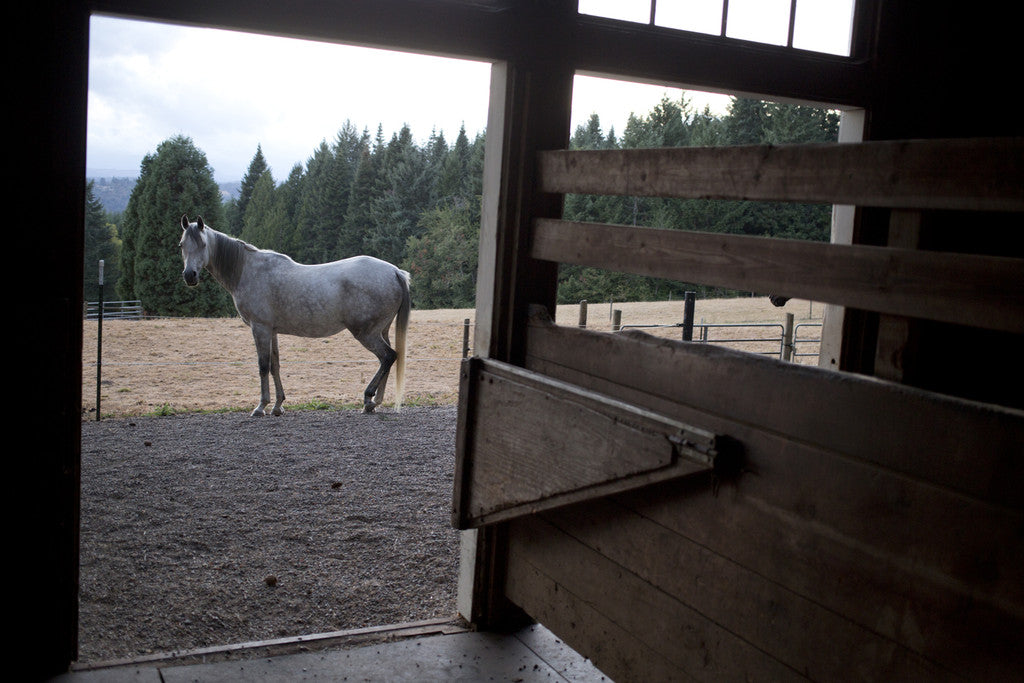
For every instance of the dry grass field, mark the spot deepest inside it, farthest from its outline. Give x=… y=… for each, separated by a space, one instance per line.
x=198 y=364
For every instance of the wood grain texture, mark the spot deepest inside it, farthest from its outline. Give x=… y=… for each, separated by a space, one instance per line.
x=980 y=291
x=919 y=579
x=532 y=443
x=558 y=579
x=970 y=175
x=977 y=450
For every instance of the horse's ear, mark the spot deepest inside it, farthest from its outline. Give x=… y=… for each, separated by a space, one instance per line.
x=199 y=222
x=184 y=221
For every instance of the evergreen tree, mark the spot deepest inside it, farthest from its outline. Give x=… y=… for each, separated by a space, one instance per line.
x=443 y=260
x=313 y=241
x=450 y=174
x=349 y=151
x=289 y=193
x=101 y=243
x=475 y=170
x=236 y=216
x=265 y=218
x=403 y=193
x=130 y=221
x=357 y=220
x=745 y=123
x=176 y=180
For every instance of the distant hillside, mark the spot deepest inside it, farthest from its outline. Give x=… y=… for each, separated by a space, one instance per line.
x=113 y=192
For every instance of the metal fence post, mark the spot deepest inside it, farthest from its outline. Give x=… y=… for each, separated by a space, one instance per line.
x=690 y=297
x=465 y=338
x=583 y=314
x=99 y=343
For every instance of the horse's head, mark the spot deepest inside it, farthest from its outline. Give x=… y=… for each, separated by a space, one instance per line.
x=193 y=249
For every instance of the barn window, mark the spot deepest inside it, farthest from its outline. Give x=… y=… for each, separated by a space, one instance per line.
x=816 y=25
x=689 y=118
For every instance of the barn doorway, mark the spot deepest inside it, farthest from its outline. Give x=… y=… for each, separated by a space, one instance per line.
x=200 y=526
x=188 y=553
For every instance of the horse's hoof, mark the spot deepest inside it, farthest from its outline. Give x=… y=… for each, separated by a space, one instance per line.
x=368 y=408
x=278 y=412
x=257 y=413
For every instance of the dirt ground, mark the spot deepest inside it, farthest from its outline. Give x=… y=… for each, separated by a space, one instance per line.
x=201 y=529
x=204 y=530
x=196 y=364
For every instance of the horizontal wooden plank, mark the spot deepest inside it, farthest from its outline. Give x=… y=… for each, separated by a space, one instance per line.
x=544 y=443
x=965 y=446
x=560 y=581
x=929 y=568
x=967 y=174
x=823 y=644
x=973 y=290
x=910 y=596
x=808 y=496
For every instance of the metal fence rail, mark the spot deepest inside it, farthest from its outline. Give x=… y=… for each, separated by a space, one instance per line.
x=125 y=310
x=812 y=340
x=703 y=334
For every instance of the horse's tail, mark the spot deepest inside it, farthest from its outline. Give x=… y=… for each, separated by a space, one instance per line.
x=401 y=327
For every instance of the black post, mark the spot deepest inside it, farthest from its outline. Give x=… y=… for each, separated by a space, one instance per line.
x=99 y=344
x=688 y=316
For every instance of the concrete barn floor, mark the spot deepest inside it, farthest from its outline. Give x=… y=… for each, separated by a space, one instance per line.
x=530 y=654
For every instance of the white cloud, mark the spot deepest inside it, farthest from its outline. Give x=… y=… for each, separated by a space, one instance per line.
x=231 y=91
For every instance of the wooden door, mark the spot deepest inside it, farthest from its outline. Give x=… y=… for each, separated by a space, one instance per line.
x=674 y=510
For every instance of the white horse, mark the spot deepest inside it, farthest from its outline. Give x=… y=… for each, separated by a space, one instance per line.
x=275 y=295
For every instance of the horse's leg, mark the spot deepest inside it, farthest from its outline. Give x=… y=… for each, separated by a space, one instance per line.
x=386 y=355
x=264 y=339
x=275 y=369
x=378 y=397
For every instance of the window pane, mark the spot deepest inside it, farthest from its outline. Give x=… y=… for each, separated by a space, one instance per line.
x=824 y=26
x=626 y=10
x=700 y=16
x=763 y=21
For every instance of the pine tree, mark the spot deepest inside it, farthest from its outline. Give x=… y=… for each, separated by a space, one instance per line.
x=177 y=179
x=257 y=167
x=101 y=243
x=129 y=231
x=357 y=220
x=289 y=193
x=443 y=260
x=311 y=224
x=403 y=193
x=263 y=216
x=450 y=174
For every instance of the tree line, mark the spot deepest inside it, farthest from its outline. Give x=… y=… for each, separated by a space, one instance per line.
x=418 y=206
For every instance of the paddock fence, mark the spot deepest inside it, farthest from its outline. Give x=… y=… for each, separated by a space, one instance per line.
x=787 y=341
x=114 y=310
x=135 y=367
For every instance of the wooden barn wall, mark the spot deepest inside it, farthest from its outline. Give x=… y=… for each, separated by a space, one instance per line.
x=831 y=568
x=816 y=563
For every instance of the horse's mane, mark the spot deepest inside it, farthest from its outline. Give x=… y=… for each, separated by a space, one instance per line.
x=230 y=253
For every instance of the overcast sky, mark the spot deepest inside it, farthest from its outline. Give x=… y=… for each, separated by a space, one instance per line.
x=230 y=92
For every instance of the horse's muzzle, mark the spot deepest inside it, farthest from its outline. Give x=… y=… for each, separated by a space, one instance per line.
x=191 y=278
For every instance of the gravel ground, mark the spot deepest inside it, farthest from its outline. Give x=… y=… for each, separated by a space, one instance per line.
x=201 y=530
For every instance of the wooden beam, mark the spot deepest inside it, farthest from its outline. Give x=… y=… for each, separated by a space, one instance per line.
x=969 y=175
x=978 y=291
x=507 y=31
x=563 y=445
